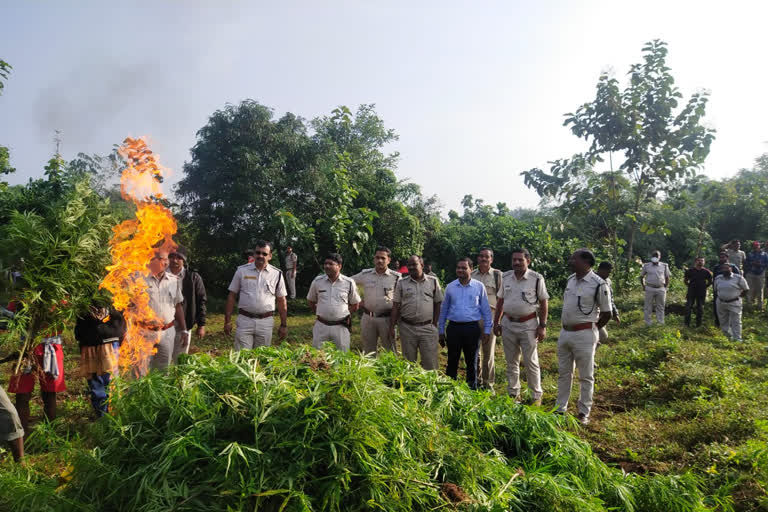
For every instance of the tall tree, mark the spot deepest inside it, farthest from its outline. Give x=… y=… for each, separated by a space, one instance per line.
x=659 y=143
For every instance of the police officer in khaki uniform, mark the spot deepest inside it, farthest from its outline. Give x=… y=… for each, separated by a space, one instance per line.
x=491 y=279
x=735 y=255
x=291 y=264
x=730 y=288
x=655 y=281
x=415 y=309
x=261 y=286
x=521 y=321
x=378 y=288
x=586 y=309
x=333 y=297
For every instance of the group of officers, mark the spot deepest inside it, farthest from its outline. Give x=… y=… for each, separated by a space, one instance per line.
x=466 y=317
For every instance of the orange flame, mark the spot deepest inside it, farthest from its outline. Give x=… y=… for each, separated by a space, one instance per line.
x=133 y=245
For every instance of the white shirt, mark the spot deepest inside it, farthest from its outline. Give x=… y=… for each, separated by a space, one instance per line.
x=333 y=298
x=730 y=288
x=164 y=293
x=579 y=304
x=520 y=295
x=258 y=288
x=655 y=274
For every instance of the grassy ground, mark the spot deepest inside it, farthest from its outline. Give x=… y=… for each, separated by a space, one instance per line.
x=667 y=399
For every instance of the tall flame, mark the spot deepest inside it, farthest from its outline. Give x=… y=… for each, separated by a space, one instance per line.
x=133 y=245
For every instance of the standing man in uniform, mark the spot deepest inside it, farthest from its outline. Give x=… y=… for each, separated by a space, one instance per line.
x=655 y=281
x=697 y=279
x=261 y=286
x=333 y=298
x=416 y=309
x=722 y=259
x=291 y=264
x=378 y=290
x=604 y=271
x=754 y=272
x=464 y=305
x=735 y=255
x=167 y=302
x=730 y=288
x=524 y=302
x=195 y=299
x=586 y=309
x=491 y=279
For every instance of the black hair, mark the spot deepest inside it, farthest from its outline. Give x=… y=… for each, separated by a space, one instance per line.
x=606 y=265
x=468 y=260
x=381 y=248
x=523 y=251
x=263 y=243
x=333 y=256
x=486 y=249
x=585 y=255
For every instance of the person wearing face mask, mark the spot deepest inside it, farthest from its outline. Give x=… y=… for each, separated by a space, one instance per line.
x=655 y=281
x=697 y=279
x=730 y=288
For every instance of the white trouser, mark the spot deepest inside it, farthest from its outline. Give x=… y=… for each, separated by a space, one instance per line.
x=729 y=314
x=165 y=343
x=576 y=349
x=659 y=295
x=290 y=282
x=421 y=339
x=338 y=334
x=253 y=332
x=371 y=329
x=486 y=371
x=756 y=282
x=517 y=338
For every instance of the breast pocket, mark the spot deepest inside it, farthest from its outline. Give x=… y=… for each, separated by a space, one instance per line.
x=529 y=296
x=389 y=293
x=269 y=288
x=340 y=297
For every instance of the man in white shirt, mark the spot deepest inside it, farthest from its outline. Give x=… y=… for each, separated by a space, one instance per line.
x=333 y=298
x=655 y=281
x=730 y=288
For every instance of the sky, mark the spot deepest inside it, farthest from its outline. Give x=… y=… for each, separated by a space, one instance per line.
x=475 y=90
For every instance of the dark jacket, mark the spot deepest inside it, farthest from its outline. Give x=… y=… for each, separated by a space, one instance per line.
x=195 y=299
x=91 y=332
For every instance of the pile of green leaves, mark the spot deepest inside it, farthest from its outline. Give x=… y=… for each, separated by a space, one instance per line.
x=298 y=429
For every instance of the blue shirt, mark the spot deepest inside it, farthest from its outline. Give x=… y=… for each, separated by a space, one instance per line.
x=465 y=303
x=756 y=263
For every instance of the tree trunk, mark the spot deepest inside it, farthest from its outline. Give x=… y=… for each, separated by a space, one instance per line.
x=633 y=225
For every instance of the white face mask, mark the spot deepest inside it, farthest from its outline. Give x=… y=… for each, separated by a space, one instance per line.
x=655 y=259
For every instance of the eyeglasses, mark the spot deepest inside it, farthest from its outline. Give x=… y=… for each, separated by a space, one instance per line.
x=259 y=253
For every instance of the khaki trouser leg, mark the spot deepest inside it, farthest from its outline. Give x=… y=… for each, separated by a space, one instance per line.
x=730 y=318
x=487 y=364
x=657 y=295
x=290 y=283
x=253 y=332
x=162 y=358
x=755 y=293
x=371 y=330
x=522 y=338
x=338 y=334
x=417 y=339
x=576 y=349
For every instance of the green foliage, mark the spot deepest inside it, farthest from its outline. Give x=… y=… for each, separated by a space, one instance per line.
x=298 y=429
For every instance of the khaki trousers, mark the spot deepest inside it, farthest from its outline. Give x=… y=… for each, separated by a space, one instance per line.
x=486 y=371
x=335 y=333
x=517 y=338
x=756 y=282
x=729 y=314
x=165 y=343
x=290 y=283
x=576 y=349
x=417 y=339
x=253 y=332
x=659 y=296
x=373 y=328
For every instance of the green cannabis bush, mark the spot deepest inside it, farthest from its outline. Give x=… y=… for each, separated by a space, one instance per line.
x=302 y=430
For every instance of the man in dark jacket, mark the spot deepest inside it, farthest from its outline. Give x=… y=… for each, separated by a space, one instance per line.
x=195 y=299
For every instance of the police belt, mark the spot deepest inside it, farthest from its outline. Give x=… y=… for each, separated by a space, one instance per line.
x=377 y=315
x=414 y=322
x=578 y=327
x=243 y=312
x=520 y=318
x=156 y=327
x=654 y=285
x=728 y=300
x=344 y=321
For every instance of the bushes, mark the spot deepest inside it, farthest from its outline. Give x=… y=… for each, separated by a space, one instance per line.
x=297 y=429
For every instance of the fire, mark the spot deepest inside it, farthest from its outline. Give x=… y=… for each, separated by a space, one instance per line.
x=133 y=245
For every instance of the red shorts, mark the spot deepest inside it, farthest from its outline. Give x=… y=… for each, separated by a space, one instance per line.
x=25 y=383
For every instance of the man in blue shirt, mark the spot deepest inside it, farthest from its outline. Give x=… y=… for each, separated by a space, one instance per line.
x=464 y=306
x=754 y=272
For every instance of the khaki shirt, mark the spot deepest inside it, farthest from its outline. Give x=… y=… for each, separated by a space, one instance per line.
x=655 y=275
x=489 y=280
x=378 y=289
x=290 y=261
x=333 y=299
x=731 y=288
x=736 y=257
x=164 y=294
x=417 y=298
x=579 y=299
x=520 y=295
x=258 y=288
